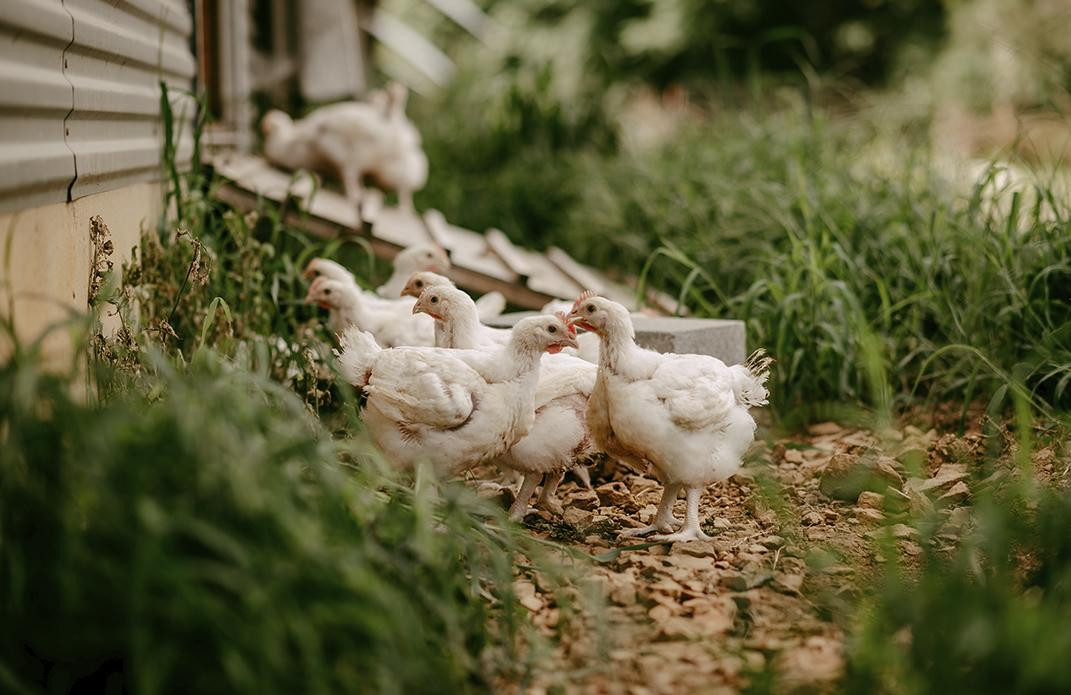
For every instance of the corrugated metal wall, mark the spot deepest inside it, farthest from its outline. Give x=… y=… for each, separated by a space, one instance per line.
x=36 y=167
x=80 y=97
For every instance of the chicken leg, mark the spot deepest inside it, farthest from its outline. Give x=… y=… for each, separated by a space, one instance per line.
x=691 y=530
x=664 y=519
x=547 y=499
x=520 y=505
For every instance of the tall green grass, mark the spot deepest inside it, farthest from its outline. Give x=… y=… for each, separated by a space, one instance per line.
x=988 y=613
x=797 y=224
x=817 y=230
x=201 y=531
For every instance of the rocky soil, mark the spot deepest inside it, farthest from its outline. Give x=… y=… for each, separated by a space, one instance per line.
x=797 y=535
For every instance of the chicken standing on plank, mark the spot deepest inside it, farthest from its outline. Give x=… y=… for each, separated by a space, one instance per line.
x=451 y=408
x=558 y=439
x=391 y=324
x=685 y=414
x=352 y=139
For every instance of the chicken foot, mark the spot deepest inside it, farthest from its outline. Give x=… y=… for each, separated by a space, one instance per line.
x=547 y=497
x=664 y=520
x=691 y=530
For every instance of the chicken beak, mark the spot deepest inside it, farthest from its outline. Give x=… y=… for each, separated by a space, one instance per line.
x=419 y=308
x=576 y=321
x=308 y=274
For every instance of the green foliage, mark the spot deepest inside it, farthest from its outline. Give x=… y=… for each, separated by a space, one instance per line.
x=669 y=41
x=992 y=618
x=210 y=536
x=505 y=149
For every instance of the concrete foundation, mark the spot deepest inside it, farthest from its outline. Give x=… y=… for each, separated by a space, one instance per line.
x=724 y=339
x=45 y=257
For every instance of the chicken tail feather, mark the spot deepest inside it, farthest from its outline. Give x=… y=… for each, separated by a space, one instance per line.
x=358 y=353
x=752 y=391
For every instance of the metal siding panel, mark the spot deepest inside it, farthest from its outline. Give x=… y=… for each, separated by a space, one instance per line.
x=36 y=167
x=121 y=52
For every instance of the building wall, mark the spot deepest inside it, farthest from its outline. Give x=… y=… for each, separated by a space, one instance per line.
x=81 y=134
x=45 y=258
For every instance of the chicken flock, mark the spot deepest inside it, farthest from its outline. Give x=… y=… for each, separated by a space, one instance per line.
x=443 y=388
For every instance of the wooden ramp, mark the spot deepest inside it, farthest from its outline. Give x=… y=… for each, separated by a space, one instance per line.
x=481 y=262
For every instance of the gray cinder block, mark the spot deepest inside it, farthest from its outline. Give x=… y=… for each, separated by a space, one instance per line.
x=721 y=338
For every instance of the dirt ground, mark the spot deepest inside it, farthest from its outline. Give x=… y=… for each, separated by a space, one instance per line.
x=796 y=534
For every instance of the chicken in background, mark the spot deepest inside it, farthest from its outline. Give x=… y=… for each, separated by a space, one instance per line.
x=558 y=439
x=686 y=415
x=352 y=140
x=488 y=305
x=391 y=322
x=451 y=408
x=459 y=321
x=429 y=257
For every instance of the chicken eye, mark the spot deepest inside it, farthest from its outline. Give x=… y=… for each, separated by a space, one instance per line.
x=419 y=283
x=327 y=291
x=591 y=308
x=552 y=329
x=434 y=300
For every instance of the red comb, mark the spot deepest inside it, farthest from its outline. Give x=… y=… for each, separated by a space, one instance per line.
x=568 y=326
x=586 y=294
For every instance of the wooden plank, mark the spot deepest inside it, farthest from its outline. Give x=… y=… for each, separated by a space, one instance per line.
x=581 y=275
x=467 y=248
x=516 y=294
x=478 y=263
x=503 y=248
x=399 y=227
x=411 y=45
x=546 y=279
x=592 y=279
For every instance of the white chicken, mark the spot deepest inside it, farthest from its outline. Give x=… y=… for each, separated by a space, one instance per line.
x=587 y=343
x=558 y=439
x=413 y=259
x=488 y=305
x=353 y=139
x=391 y=324
x=457 y=320
x=451 y=408
x=687 y=415
x=422 y=257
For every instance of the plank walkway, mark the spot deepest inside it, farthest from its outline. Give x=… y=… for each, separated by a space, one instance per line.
x=481 y=262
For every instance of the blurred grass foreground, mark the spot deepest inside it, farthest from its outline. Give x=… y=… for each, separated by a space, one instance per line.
x=210 y=518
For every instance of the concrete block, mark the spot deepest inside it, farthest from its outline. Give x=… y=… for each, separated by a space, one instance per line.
x=721 y=338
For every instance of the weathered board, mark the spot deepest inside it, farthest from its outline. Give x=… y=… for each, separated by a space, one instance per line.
x=481 y=262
